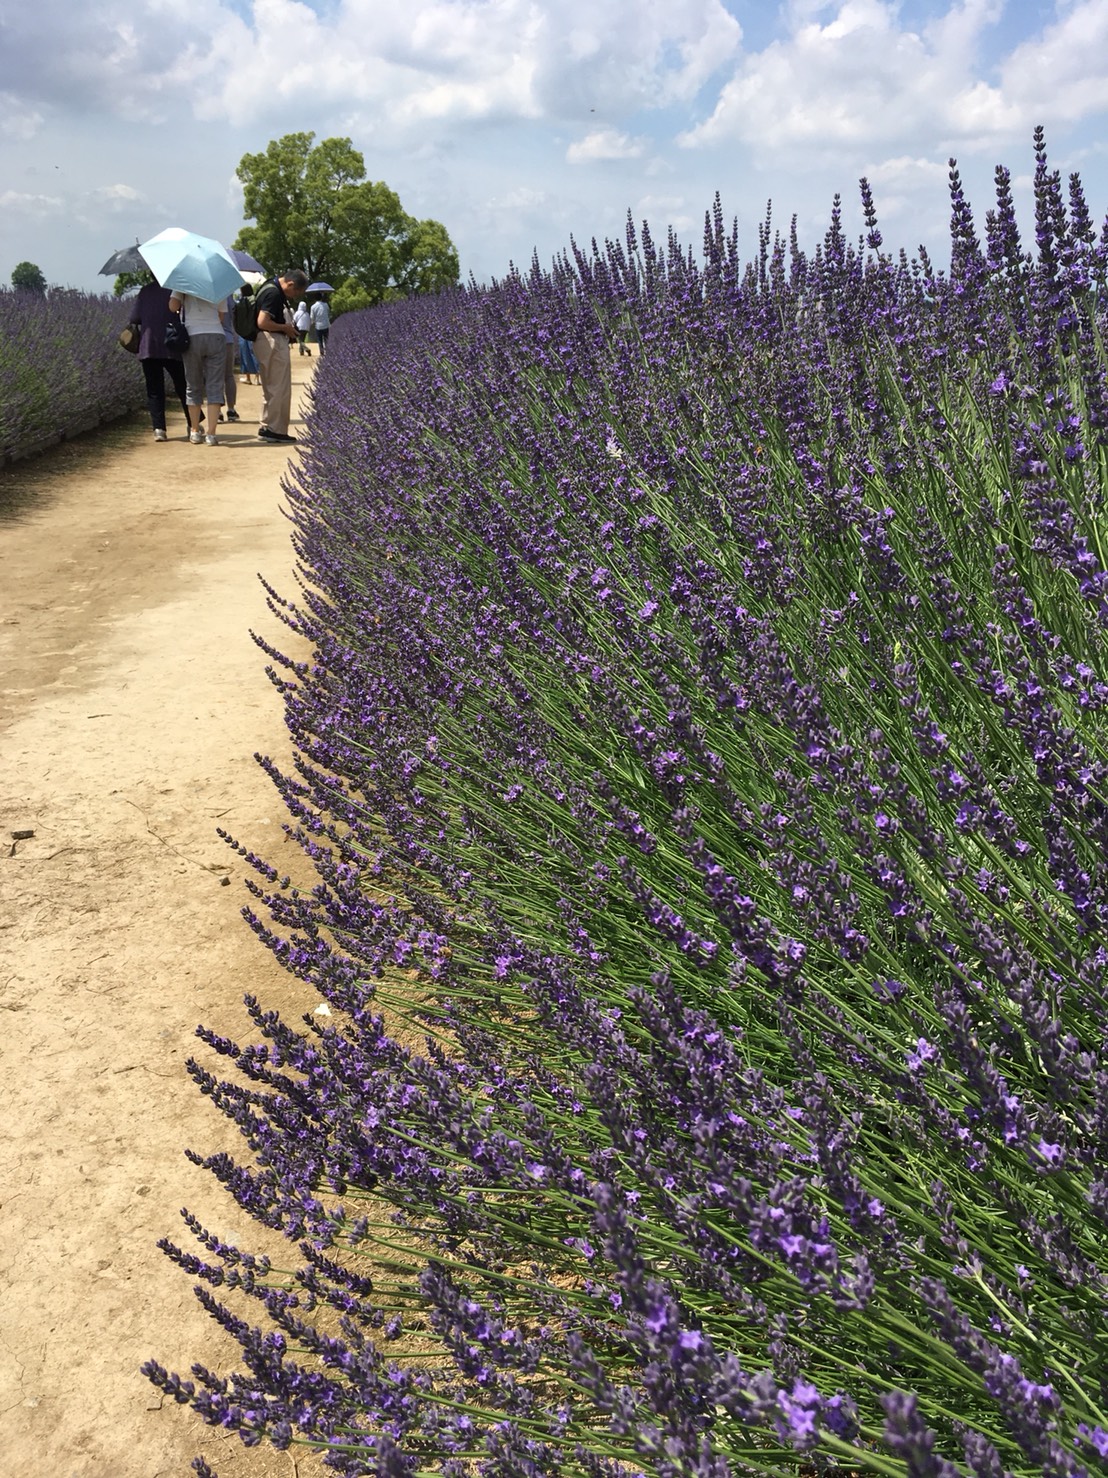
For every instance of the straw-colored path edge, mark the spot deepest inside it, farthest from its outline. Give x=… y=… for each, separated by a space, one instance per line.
x=132 y=700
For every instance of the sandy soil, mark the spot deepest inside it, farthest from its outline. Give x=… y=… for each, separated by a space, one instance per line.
x=132 y=700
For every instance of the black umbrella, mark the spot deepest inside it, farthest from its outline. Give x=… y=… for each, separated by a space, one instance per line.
x=244 y=261
x=128 y=259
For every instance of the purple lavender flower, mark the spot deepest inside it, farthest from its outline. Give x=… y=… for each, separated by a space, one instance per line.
x=702 y=764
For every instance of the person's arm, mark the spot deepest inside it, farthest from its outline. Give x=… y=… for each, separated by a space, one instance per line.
x=267 y=324
x=175 y=303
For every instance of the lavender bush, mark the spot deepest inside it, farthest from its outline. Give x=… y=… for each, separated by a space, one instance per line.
x=703 y=762
x=61 y=369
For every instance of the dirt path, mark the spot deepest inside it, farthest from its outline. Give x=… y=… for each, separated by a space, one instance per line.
x=132 y=700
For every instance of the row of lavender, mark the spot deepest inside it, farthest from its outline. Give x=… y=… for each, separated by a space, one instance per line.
x=703 y=758
x=61 y=370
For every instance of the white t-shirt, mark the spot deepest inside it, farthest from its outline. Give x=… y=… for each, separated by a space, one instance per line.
x=321 y=316
x=199 y=316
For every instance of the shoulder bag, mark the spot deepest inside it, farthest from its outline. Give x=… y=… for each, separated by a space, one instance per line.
x=176 y=334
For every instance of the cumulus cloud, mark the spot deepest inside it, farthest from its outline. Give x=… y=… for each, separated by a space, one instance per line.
x=116 y=197
x=854 y=74
x=906 y=171
x=1062 y=75
x=118 y=204
x=605 y=143
x=671 y=211
x=436 y=60
x=16 y=202
x=426 y=61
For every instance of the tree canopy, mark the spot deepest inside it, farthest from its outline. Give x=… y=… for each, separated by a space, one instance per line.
x=130 y=282
x=313 y=207
x=28 y=278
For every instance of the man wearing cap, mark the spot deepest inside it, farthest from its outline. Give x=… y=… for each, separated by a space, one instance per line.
x=275 y=330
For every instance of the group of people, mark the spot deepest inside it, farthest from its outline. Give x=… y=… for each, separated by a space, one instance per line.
x=203 y=376
x=317 y=317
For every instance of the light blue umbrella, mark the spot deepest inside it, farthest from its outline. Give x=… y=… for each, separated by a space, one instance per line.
x=319 y=287
x=188 y=263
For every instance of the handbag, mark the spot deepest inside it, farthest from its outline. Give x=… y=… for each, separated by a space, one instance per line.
x=176 y=335
x=129 y=338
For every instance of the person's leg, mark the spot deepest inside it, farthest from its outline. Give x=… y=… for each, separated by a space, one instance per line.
x=248 y=360
x=273 y=352
x=321 y=334
x=281 y=392
x=193 y=362
x=230 y=384
x=176 y=372
x=152 y=373
x=266 y=347
x=214 y=351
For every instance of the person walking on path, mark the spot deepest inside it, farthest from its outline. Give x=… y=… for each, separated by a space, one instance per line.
x=150 y=315
x=205 y=360
x=247 y=360
x=302 y=318
x=321 y=322
x=275 y=329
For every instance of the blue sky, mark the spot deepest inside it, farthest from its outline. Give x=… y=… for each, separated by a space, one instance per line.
x=521 y=123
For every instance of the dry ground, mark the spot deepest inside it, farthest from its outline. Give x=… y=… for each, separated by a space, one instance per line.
x=132 y=700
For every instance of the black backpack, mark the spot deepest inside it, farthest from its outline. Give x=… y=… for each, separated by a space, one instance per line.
x=246 y=316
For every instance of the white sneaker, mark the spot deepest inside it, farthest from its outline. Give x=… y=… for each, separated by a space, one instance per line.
x=211 y=441
x=197 y=438
x=161 y=436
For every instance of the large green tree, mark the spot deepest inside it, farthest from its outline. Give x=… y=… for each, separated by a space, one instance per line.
x=313 y=207
x=426 y=261
x=28 y=278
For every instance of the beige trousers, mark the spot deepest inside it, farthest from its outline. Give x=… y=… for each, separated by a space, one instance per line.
x=275 y=373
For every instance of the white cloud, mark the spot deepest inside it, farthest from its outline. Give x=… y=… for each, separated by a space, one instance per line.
x=661 y=204
x=670 y=212
x=605 y=143
x=18 y=203
x=859 y=77
x=524 y=198
x=407 y=66
x=1062 y=75
x=116 y=197
x=906 y=172
x=118 y=204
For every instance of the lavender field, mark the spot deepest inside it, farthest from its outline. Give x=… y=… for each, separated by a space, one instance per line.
x=704 y=760
x=61 y=369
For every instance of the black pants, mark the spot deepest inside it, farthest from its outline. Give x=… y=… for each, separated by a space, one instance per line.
x=154 y=372
x=321 y=335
